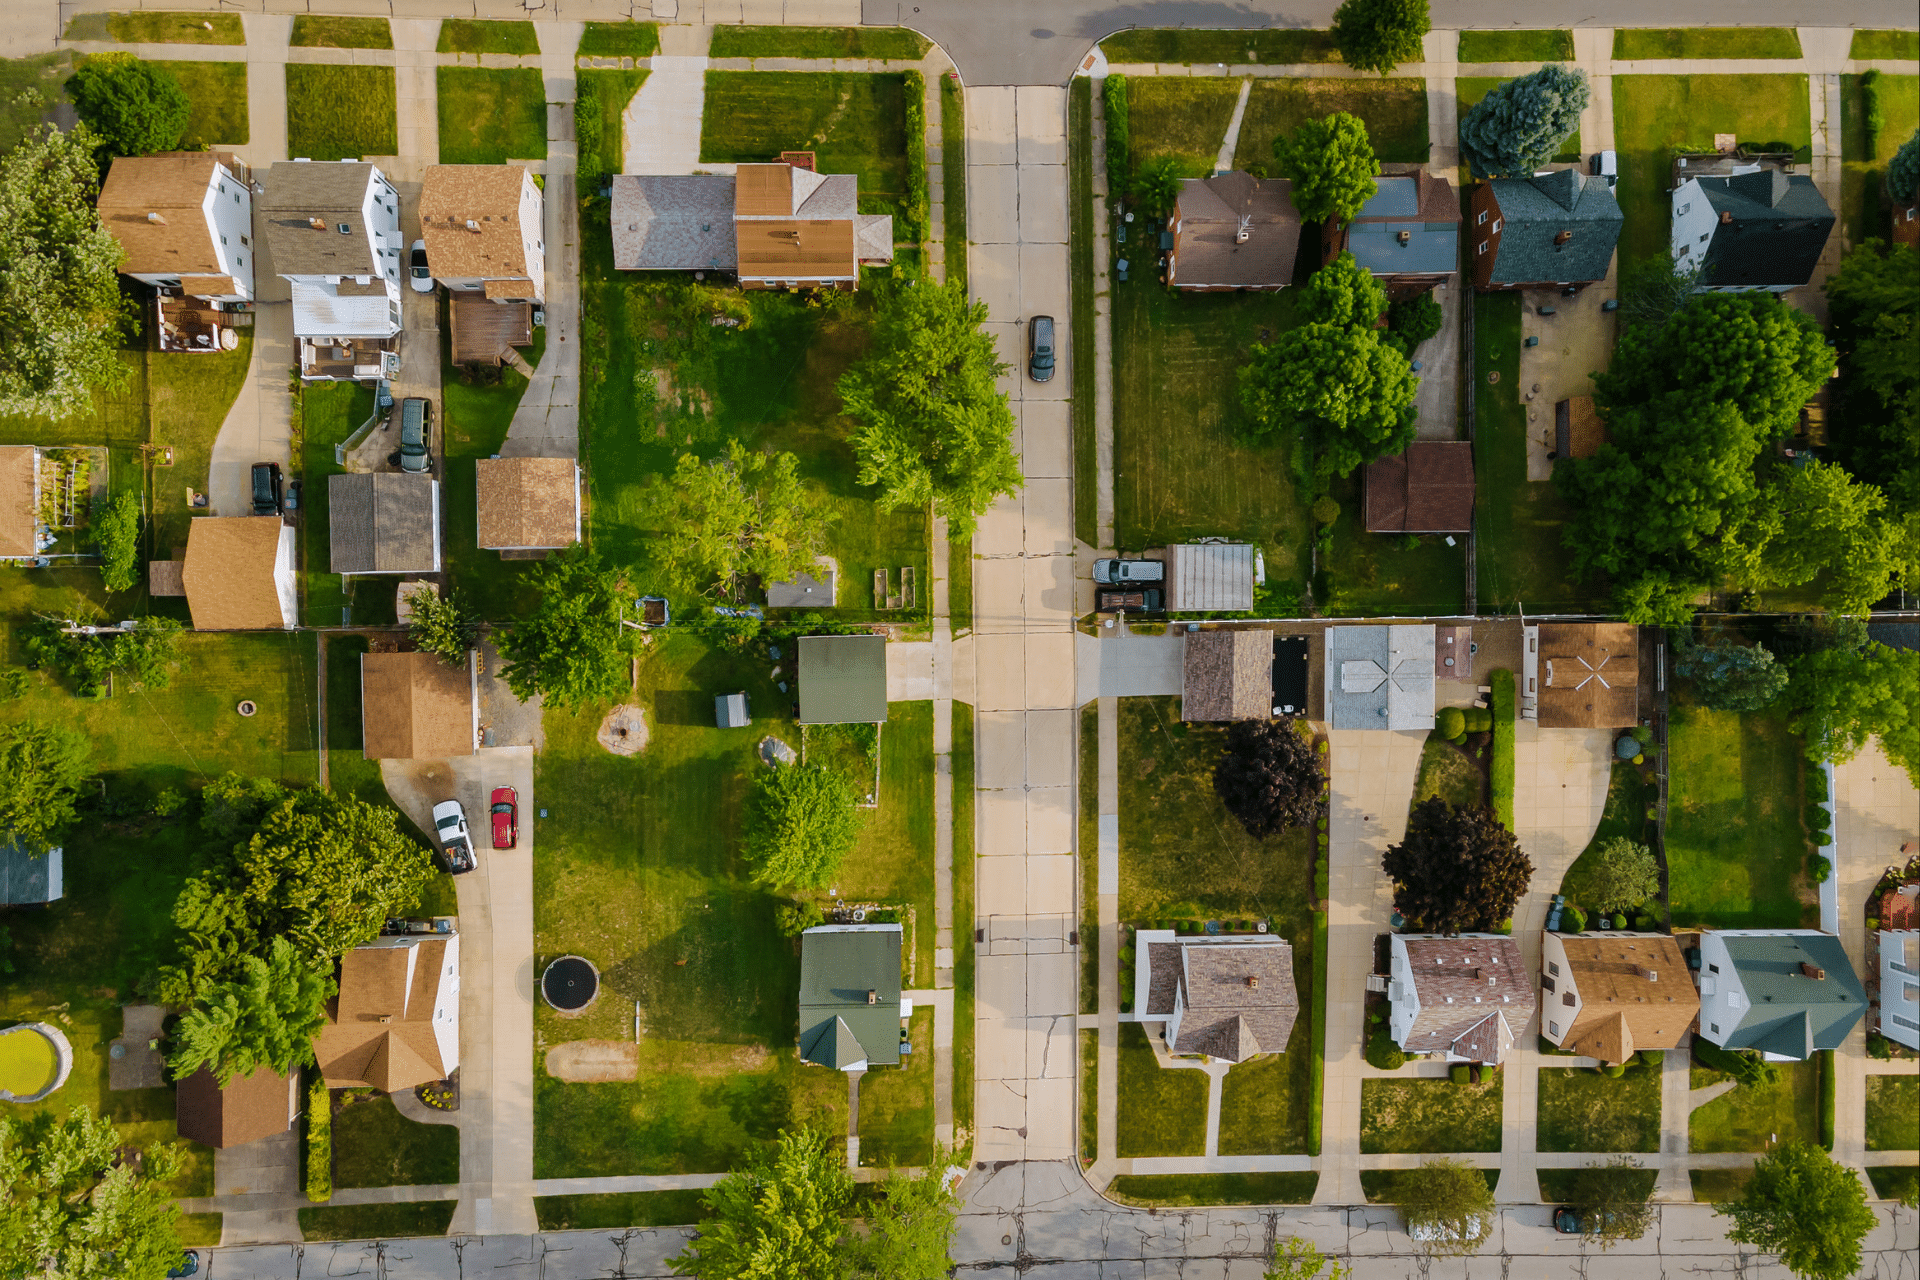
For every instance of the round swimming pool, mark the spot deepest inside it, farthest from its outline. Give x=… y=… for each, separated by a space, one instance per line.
x=34 y=1060
x=570 y=984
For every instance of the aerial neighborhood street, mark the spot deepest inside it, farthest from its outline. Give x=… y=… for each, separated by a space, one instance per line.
x=805 y=639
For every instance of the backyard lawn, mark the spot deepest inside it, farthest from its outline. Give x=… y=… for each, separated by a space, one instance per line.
x=896 y=1104
x=463 y=35
x=218 y=92
x=376 y=1221
x=340 y=112
x=1163 y=1111
x=1395 y=112
x=1735 y=847
x=853 y=122
x=1893 y=1113
x=1180 y=118
x=618 y=1209
x=330 y=412
x=322 y=31
x=1706 y=42
x=1515 y=46
x=1863 y=200
x=1470 y=89
x=1370 y=575
x=375 y=1146
x=1178 y=1190
x=1429 y=1115
x=1752 y=1117
x=873 y=43
x=1284 y=46
x=492 y=115
x=1583 y=1110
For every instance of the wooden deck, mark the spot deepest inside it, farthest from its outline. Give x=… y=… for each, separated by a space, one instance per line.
x=483 y=331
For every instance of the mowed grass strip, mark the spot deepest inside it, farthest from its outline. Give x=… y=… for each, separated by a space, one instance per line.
x=1705 y=42
x=619 y=39
x=375 y=1146
x=158 y=28
x=896 y=1105
x=1388 y=1186
x=218 y=92
x=329 y=31
x=340 y=113
x=1163 y=1110
x=377 y=1221
x=1185 y=1189
x=1089 y=1094
x=1752 y=1117
x=893 y=44
x=1395 y=112
x=1886 y=45
x=1893 y=1113
x=1583 y=1110
x=491 y=116
x=853 y=122
x=618 y=1209
x=1515 y=46
x=1718 y=1186
x=1430 y=1115
x=468 y=35
x=1080 y=349
x=1283 y=46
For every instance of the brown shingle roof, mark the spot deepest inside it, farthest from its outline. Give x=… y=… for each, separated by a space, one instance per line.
x=795 y=249
x=527 y=502
x=175 y=189
x=413 y=706
x=1578 y=430
x=488 y=196
x=228 y=573
x=1229 y=676
x=251 y=1107
x=1223 y=1015
x=1589 y=675
x=1207 y=223
x=19 y=468
x=380 y=1026
x=1460 y=982
x=1621 y=1009
x=763 y=190
x=1429 y=489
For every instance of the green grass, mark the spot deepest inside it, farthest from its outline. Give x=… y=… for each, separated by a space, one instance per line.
x=1163 y=1111
x=963 y=958
x=324 y=31
x=218 y=92
x=1090 y=884
x=893 y=859
x=1470 y=89
x=960 y=585
x=611 y=91
x=1892 y=1181
x=1395 y=112
x=1263 y=1103
x=158 y=28
x=340 y=113
x=1556 y=1185
x=1706 y=42
x=1317 y=1041
x=853 y=122
x=1893 y=1113
x=1515 y=46
x=953 y=170
x=1383 y=1186
x=1184 y=1189
x=1719 y=1186
x=1180 y=118
x=1446 y=772
x=1863 y=201
x=492 y=116
x=1886 y=44
x=1629 y=796
x=618 y=1209
x=330 y=413
x=1278 y=45
x=1747 y=1118
x=890 y=43
x=1080 y=241
x=1654 y=117
x=349 y=772
x=375 y=1146
x=620 y=39
x=1089 y=1094
x=1735 y=848
x=44 y=73
x=896 y=1105
x=377 y=1221
x=466 y=35
x=1370 y=575
x=1582 y=1110
x=1429 y=1115
x=198 y=1228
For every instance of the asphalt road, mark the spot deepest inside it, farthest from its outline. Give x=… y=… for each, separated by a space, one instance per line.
x=1029 y=42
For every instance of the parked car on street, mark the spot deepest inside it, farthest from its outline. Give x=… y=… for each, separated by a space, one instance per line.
x=456 y=842
x=417 y=274
x=416 y=434
x=1040 y=349
x=505 y=812
x=266 y=488
x=188 y=1265
x=1117 y=572
x=1144 y=601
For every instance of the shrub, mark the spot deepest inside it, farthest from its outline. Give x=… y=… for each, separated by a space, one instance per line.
x=1816 y=785
x=795 y=918
x=1126 y=955
x=1382 y=1053
x=1876 y=116
x=1822 y=870
x=169 y=802
x=1501 y=773
x=319 y=1142
x=1614 y=1070
x=1450 y=724
x=136 y=107
x=915 y=93
x=1119 y=135
x=1747 y=1068
x=1619 y=922
x=1652 y=1057
x=1572 y=919
x=1458 y=1073
x=117 y=532
x=1879 y=1047
x=1416 y=319
x=1325 y=509
x=1479 y=719
x=1873 y=923
x=1641 y=734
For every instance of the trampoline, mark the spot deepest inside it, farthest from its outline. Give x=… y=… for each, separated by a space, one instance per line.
x=570 y=984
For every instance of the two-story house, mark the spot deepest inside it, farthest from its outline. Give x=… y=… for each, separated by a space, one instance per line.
x=333 y=229
x=1464 y=998
x=1228 y=998
x=1550 y=230
x=1407 y=233
x=485 y=238
x=1900 y=986
x=395 y=1023
x=1757 y=227
x=1786 y=993
x=1610 y=995
x=185 y=223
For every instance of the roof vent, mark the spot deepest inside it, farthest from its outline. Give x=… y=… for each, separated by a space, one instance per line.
x=1813 y=971
x=318 y=224
x=1246 y=229
x=873 y=997
x=1651 y=975
x=1405 y=237
x=1560 y=240
x=156 y=220
x=473 y=226
x=1252 y=981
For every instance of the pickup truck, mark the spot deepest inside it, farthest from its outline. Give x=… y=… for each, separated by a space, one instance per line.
x=1143 y=601
x=456 y=842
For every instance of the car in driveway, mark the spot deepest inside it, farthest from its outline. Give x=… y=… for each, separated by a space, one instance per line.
x=1040 y=349
x=416 y=434
x=417 y=273
x=505 y=812
x=266 y=488
x=1125 y=572
x=1146 y=600
x=456 y=842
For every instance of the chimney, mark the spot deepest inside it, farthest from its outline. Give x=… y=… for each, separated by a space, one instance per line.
x=1252 y=981
x=873 y=997
x=1562 y=238
x=318 y=224
x=1649 y=974
x=473 y=226
x=1726 y=217
x=1246 y=230
x=1813 y=971
x=1405 y=237
x=156 y=220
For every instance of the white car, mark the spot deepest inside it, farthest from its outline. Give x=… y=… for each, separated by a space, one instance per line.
x=450 y=829
x=417 y=273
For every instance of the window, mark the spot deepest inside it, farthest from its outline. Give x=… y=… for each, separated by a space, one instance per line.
x=1683 y=210
x=1704 y=235
x=1497 y=224
x=244 y=240
x=223 y=239
x=1910 y=993
x=1553 y=967
x=1715 y=1026
x=1908 y=1023
x=345 y=230
x=1482 y=248
x=1713 y=968
x=236 y=197
x=1546 y=984
x=1566 y=998
x=1553 y=1028
x=1481 y=221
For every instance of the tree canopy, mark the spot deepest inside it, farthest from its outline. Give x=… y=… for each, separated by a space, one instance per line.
x=1903 y=171
x=1269 y=778
x=1612 y=1200
x=135 y=106
x=1873 y=425
x=933 y=426
x=910 y=1231
x=1447 y=1206
x=1457 y=870
x=1156 y=186
x=778 y=1219
x=143 y=657
x=1618 y=874
x=801 y=821
x=1379 y=35
x=441 y=625
x=1295 y=1258
x=1818 y=520
x=41 y=768
x=745 y=513
x=265 y=1016
x=72 y=1207
x=571 y=649
x=1847 y=693
x=116 y=531
x=1332 y=165
x=1728 y=676
x=1520 y=125
x=1803 y=1206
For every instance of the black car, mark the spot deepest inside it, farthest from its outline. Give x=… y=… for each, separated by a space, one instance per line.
x=266 y=488
x=1147 y=600
x=1040 y=349
x=188 y=1265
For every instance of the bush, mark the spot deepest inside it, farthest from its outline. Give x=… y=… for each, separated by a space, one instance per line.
x=1653 y=1057
x=1572 y=919
x=1416 y=319
x=1816 y=785
x=1479 y=719
x=1458 y=1073
x=169 y=802
x=1126 y=955
x=1641 y=734
x=136 y=107
x=915 y=94
x=1619 y=922
x=1876 y=116
x=1325 y=509
x=1450 y=724
x=1119 y=135
x=795 y=918
x=1614 y=1070
x=116 y=530
x=319 y=1142
x=1382 y=1053
x=1819 y=818
x=1879 y=1048
x=1745 y=1067
x=1822 y=870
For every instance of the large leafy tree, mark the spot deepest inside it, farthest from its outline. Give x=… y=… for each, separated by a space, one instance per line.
x=1379 y=35
x=1903 y=172
x=1874 y=426
x=237 y=802
x=442 y=626
x=59 y=285
x=1847 y=693
x=1270 y=777
x=910 y=1231
x=136 y=107
x=933 y=426
x=1520 y=125
x=143 y=657
x=1732 y=677
x=72 y=1207
x=746 y=513
x=1815 y=520
x=41 y=768
x=1448 y=1203
x=571 y=649
x=801 y=821
x=116 y=530
x=1332 y=165
x=1612 y=1200
x=265 y=1016
x=1803 y=1206
x=778 y=1219
x=1618 y=873
x=1457 y=870
x=1295 y=1258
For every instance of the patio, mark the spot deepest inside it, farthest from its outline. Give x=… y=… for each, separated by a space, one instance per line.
x=485 y=332
x=349 y=359
x=194 y=324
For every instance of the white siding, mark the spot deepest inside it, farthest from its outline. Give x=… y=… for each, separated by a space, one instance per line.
x=1693 y=224
x=1556 y=1016
x=229 y=210
x=283 y=579
x=1401 y=993
x=1900 y=987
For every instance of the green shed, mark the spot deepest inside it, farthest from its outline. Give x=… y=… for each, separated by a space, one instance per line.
x=843 y=679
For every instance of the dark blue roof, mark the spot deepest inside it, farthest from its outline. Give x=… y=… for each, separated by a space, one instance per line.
x=1780 y=224
x=1431 y=247
x=1536 y=210
x=1393 y=197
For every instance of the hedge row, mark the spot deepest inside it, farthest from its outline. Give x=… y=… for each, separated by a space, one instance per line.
x=1119 y=135
x=1500 y=779
x=319 y=1142
x=915 y=92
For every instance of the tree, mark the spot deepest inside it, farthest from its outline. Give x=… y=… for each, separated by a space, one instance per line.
x=1653 y=291
x=41 y=768
x=1520 y=125
x=73 y=1206
x=933 y=425
x=1457 y=870
x=1873 y=424
x=1270 y=776
x=1620 y=873
x=1298 y=1259
x=1447 y=1205
x=236 y=802
x=910 y=1232
x=143 y=656
x=445 y=628
x=1378 y=35
x=266 y=1016
x=1415 y=320
x=801 y=820
x=116 y=529
x=1612 y=1200
x=1817 y=519
x=572 y=649
x=1332 y=166
x=1842 y=696
x=1903 y=171
x=135 y=107
x=778 y=1219
x=1732 y=677
x=1806 y=1208
x=745 y=513
x=59 y=281
x=1156 y=187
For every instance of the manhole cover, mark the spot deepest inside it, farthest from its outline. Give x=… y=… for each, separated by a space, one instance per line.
x=570 y=984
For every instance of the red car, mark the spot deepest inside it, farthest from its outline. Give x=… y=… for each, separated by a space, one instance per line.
x=506 y=817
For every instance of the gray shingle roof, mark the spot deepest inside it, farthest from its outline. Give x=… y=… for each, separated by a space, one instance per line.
x=843 y=679
x=382 y=523
x=1207 y=223
x=1380 y=677
x=673 y=222
x=1222 y=1016
x=1790 y=1012
x=332 y=192
x=839 y=964
x=1780 y=225
x=1535 y=210
x=25 y=878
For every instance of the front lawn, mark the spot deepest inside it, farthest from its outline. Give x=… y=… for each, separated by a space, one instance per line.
x=895 y=44
x=1863 y=199
x=1263 y=1103
x=896 y=1104
x=1893 y=1113
x=853 y=122
x=1450 y=773
x=1885 y=44
x=375 y=1146
x=1515 y=46
x=618 y=1209
x=1180 y=1190
x=326 y=31
x=1280 y=46
x=340 y=112
x=1706 y=42
x=161 y=28
x=1430 y=1115
x=376 y=1221
x=218 y=92
x=1583 y=1110
x=491 y=116
x=1470 y=89
x=892 y=862
x=1757 y=1117
x=1163 y=1110
x=466 y=35
x=1180 y=118
x=1395 y=112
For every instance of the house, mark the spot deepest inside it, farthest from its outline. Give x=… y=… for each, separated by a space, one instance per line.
x=773 y=226
x=1904 y=221
x=1549 y=231
x=850 y=1002
x=416 y=706
x=1785 y=993
x=1426 y=489
x=383 y=522
x=396 y=1022
x=1208 y=577
x=1900 y=986
x=527 y=504
x=1228 y=998
x=238 y=574
x=843 y=679
x=246 y=1109
x=1233 y=231
x=20 y=529
x=1407 y=233
x=485 y=237
x=1609 y=995
x=1380 y=677
x=184 y=220
x=1754 y=227
x=1580 y=675
x=1464 y=998
x=1578 y=431
x=333 y=230
x=1229 y=676
x=29 y=879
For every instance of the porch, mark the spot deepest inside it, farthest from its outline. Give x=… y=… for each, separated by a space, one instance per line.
x=349 y=359
x=194 y=324
x=484 y=332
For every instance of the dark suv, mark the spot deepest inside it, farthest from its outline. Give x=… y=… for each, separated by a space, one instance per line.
x=1040 y=349
x=266 y=488
x=416 y=434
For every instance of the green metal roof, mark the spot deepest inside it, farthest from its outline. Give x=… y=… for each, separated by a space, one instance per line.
x=843 y=679
x=1535 y=210
x=839 y=964
x=1790 y=1013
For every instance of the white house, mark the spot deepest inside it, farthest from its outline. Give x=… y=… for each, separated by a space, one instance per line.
x=185 y=222
x=334 y=231
x=1900 y=986
x=1750 y=227
x=396 y=1022
x=1464 y=998
x=1785 y=993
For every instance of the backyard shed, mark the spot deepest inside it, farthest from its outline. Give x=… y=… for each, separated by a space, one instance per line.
x=1426 y=489
x=26 y=880
x=730 y=711
x=843 y=679
x=1210 y=577
x=248 y=1108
